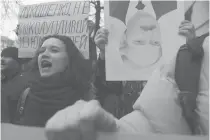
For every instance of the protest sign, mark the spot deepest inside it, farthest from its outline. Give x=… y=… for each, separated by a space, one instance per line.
x=62 y=18
x=13 y=132
x=143 y=35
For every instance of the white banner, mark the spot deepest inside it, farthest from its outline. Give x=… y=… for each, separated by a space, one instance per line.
x=14 y=132
x=62 y=18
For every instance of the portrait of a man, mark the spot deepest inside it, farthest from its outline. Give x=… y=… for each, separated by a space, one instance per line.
x=140 y=46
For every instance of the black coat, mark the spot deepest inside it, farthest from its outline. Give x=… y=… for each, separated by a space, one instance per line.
x=11 y=89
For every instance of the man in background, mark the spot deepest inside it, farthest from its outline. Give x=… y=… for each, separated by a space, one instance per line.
x=13 y=83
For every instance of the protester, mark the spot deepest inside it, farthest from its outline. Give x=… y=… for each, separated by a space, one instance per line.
x=155 y=111
x=188 y=72
x=109 y=92
x=117 y=97
x=63 y=79
x=13 y=83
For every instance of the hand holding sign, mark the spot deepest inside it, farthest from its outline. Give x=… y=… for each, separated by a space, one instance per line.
x=101 y=39
x=187 y=29
x=80 y=121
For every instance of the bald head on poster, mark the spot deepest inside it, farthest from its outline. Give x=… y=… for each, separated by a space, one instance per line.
x=140 y=46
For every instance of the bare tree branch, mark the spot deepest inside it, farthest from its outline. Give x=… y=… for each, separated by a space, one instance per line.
x=9 y=9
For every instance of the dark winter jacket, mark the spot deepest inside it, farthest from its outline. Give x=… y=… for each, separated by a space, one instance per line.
x=11 y=90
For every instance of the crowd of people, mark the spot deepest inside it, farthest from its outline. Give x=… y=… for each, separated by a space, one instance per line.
x=65 y=93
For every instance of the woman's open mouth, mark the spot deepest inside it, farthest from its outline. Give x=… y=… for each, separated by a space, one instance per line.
x=46 y=64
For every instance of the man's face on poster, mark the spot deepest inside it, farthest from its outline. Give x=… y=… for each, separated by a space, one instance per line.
x=143 y=42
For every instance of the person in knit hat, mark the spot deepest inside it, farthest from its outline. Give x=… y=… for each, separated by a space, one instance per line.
x=10 y=67
x=13 y=83
x=10 y=63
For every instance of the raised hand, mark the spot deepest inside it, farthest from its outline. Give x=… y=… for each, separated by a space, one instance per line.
x=187 y=29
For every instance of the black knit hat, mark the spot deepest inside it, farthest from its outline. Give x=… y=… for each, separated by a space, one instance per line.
x=11 y=52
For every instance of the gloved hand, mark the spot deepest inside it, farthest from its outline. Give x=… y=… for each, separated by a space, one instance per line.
x=80 y=121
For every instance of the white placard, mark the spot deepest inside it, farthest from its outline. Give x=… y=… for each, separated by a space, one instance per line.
x=142 y=36
x=62 y=18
